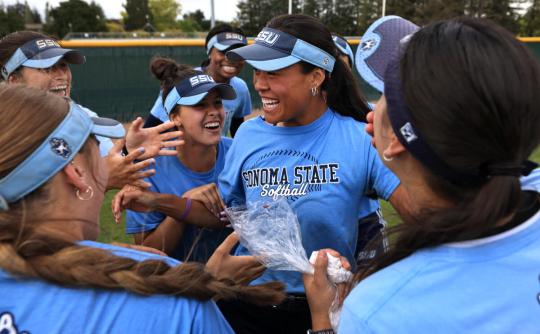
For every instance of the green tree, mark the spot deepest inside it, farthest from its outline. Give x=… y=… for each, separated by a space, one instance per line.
x=164 y=13
x=530 y=23
x=198 y=18
x=137 y=14
x=12 y=18
x=254 y=14
x=75 y=16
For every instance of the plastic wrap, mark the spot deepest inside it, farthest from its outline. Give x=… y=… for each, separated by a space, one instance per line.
x=270 y=231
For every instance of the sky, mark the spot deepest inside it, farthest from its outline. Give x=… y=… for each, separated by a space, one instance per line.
x=225 y=10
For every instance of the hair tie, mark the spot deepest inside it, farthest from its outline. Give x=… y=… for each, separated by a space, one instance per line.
x=510 y=169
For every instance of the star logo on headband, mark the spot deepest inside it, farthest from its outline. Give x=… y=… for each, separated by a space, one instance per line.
x=325 y=61
x=407 y=131
x=368 y=45
x=60 y=147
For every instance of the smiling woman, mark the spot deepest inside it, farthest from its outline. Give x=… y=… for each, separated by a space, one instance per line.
x=193 y=101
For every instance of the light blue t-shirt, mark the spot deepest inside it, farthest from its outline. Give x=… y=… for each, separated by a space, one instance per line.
x=35 y=306
x=323 y=169
x=172 y=177
x=488 y=285
x=239 y=107
x=105 y=144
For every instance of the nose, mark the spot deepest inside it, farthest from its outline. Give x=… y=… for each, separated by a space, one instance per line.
x=260 y=80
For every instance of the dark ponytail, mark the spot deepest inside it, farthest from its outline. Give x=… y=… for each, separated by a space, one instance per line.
x=169 y=73
x=342 y=92
x=473 y=93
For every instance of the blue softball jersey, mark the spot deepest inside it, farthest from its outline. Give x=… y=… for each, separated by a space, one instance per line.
x=36 y=306
x=323 y=169
x=488 y=285
x=172 y=177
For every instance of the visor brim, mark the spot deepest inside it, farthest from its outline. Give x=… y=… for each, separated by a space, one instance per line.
x=107 y=127
x=50 y=57
x=262 y=57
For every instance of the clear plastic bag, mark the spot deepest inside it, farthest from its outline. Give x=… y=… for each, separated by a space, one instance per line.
x=270 y=231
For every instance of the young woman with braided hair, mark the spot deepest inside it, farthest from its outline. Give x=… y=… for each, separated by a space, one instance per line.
x=457 y=122
x=53 y=277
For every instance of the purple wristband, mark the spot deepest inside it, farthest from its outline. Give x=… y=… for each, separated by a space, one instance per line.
x=187 y=209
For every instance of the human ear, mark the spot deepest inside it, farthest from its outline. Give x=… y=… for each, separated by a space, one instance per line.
x=317 y=77
x=75 y=176
x=395 y=147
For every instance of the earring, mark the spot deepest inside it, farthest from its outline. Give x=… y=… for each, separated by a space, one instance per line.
x=385 y=158
x=314 y=91
x=86 y=195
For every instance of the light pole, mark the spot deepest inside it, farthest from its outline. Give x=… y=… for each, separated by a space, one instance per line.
x=383 y=7
x=212 y=17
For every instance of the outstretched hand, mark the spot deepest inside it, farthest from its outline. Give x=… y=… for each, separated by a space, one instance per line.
x=154 y=140
x=123 y=170
x=240 y=269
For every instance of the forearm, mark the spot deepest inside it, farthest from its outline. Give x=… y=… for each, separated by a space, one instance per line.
x=165 y=237
x=198 y=215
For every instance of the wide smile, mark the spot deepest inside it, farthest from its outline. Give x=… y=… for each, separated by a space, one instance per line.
x=213 y=126
x=59 y=90
x=229 y=69
x=269 y=104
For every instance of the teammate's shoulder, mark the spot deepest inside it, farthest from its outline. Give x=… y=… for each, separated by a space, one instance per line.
x=238 y=82
x=226 y=142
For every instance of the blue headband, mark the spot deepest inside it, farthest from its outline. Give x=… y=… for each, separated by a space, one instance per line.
x=192 y=90
x=225 y=40
x=274 y=50
x=54 y=153
x=40 y=53
x=344 y=47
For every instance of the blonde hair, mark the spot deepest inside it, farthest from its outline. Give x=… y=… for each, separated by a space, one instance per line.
x=29 y=248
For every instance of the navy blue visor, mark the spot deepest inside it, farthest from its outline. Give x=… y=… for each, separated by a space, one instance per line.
x=192 y=90
x=274 y=50
x=40 y=53
x=344 y=47
x=225 y=40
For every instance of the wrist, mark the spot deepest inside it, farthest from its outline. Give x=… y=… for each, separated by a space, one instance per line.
x=321 y=331
x=320 y=322
x=187 y=209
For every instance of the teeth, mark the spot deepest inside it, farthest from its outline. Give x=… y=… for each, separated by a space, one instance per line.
x=61 y=90
x=229 y=68
x=269 y=104
x=212 y=125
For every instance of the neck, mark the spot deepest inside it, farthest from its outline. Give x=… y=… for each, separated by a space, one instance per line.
x=312 y=112
x=196 y=157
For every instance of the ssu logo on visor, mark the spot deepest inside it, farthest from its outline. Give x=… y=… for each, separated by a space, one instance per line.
x=46 y=43
x=267 y=37
x=200 y=79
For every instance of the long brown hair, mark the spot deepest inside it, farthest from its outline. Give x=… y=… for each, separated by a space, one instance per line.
x=31 y=248
x=492 y=119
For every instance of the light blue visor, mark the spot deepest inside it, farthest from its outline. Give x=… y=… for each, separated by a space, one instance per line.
x=192 y=90
x=55 y=152
x=274 y=50
x=40 y=53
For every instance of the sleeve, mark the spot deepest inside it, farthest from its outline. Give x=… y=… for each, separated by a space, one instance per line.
x=380 y=178
x=230 y=180
x=349 y=323
x=245 y=107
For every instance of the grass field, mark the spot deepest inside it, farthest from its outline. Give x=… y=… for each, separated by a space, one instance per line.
x=113 y=232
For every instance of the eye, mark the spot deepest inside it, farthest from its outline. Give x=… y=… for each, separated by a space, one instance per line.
x=218 y=103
